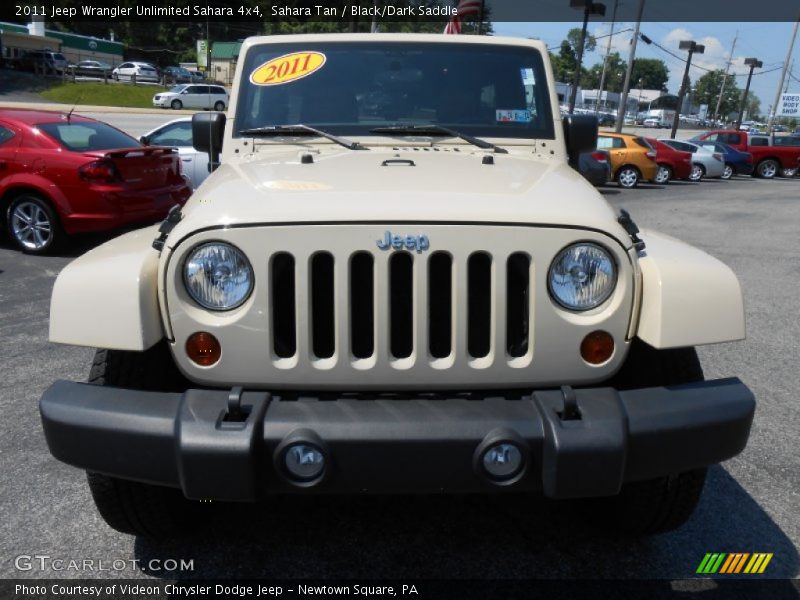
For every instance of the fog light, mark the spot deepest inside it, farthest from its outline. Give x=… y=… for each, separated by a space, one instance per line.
x=597 y=347
x=502 y=461
x=203 y=348
x=304 y=462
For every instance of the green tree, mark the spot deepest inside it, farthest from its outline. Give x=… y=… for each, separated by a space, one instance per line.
x=708 y=89
x=565 y=62
x=652 y=71
x=753 y=107
x=615 y=74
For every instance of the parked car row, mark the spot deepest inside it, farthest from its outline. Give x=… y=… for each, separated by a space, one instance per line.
x=720 y=154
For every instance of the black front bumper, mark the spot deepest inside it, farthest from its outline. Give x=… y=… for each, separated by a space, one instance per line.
x=396 y=445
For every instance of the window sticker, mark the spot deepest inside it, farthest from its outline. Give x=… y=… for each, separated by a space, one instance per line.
x=288 y=68
x=513 y=116
x=528 y=78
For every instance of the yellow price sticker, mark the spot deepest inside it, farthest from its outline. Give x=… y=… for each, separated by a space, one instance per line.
x=287 y=68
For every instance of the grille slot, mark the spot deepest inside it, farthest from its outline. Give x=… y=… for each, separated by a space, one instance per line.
x=517 y=302
x=362 y=305
x=284 y=338
x=322 y=305
x=440 y=304
x=479 y=304
x=401 y=294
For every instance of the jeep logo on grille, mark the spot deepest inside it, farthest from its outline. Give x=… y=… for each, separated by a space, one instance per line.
x=420 y=243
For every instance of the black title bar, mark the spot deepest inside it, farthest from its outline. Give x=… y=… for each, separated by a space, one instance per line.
x=387 y=11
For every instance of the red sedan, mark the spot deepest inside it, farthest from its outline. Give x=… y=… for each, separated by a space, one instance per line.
x=64 y=174
x=672 y=164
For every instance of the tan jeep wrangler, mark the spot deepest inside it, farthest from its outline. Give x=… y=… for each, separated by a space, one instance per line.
x=394 y=282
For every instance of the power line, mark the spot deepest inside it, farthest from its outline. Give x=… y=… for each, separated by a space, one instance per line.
x=702 y=68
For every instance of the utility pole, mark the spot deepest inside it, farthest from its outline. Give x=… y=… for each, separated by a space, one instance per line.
x=589 y=8
x=753 y=63
x=605 y=60
x=788 y=80
x=693 y=48
x=631 y=56
x=783 y=76
x=725 y=78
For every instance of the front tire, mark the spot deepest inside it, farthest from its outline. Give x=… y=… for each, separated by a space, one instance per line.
x=662 y=504
x=33 y=224
x=628 y=177
x=698 y=172
x=219 y=106
x=129 y=506
x=176 y=104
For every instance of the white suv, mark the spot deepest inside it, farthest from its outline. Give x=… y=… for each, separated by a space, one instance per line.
x=393 y=281
x=193 y=96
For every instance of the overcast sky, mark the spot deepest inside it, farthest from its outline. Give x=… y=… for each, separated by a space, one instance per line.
x=766 y=41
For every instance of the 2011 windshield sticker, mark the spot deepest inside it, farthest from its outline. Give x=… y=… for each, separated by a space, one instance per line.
x=288 y=68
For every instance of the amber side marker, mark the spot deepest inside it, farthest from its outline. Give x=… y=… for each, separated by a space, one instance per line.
x=597 y=347
x=203 y=348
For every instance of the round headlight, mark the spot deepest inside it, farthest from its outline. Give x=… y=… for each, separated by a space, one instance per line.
x=582 y=276
x=218 y=276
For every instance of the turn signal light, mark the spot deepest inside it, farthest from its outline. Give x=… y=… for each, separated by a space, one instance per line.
x=203 y=348
x=597 y=347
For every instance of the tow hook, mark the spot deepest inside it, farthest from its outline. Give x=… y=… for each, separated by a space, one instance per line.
x=236 y=412
x=570 y=411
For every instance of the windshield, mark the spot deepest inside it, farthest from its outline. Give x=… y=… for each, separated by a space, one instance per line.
x=178 y=88
x=349 y=88
x=85 y=136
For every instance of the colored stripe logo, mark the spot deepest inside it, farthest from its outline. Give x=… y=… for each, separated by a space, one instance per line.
x=734 y=563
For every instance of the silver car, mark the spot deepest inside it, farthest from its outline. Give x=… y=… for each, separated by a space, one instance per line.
x=705 y=163
x=178 y=133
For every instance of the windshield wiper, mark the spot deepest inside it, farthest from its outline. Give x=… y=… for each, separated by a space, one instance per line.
x=438 y=130
x=301 y=129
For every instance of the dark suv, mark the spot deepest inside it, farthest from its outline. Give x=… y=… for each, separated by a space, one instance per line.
x=46 y=60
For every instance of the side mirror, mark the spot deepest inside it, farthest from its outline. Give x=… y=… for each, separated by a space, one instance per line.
x=145 y=140
x=580 y=135
x=208 y=129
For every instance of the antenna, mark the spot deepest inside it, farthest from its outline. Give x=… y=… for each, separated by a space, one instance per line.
x=71 y=110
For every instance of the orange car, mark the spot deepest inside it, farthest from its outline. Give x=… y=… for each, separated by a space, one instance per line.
x=632 y=158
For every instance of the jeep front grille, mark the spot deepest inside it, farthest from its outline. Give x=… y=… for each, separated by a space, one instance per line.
x=332 y=311
x=416 y=315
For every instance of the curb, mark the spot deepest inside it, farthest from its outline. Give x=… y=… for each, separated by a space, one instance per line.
x=79 y=108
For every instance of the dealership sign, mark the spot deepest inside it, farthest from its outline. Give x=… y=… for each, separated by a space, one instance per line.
x=789 y=105
x=202 y=53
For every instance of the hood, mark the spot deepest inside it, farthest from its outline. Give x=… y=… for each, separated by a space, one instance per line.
x=390 y=184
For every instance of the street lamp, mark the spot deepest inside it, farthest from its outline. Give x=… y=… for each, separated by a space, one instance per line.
x=589 y=8
x=693 y=48
x=753 y=63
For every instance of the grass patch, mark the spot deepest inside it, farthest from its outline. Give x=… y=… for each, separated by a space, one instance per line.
x=100 y=94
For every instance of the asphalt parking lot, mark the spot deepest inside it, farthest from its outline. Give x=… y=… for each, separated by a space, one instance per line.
x=750 y=504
